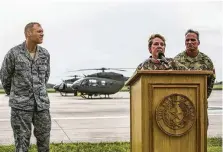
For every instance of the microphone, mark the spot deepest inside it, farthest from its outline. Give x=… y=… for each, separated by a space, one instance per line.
x=162 y=57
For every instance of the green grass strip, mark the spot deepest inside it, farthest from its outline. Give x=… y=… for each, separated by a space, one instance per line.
x=214 y=145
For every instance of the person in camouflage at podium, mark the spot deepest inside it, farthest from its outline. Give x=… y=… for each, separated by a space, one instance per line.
x=157 y=60
x=193 y=59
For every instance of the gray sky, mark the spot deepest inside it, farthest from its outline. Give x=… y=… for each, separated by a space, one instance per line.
x=113 y=34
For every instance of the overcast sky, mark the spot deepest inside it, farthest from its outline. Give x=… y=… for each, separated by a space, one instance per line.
x=112 y=34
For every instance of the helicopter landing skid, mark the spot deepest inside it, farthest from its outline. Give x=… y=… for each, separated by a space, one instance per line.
x=88 y=97
x=91 y=97
x=83 y=96
x=63 y=94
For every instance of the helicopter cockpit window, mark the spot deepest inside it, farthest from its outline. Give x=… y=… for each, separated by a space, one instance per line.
x=93 y=82
x=69 y=85
x=62 y=86
x=103 y=83
x=85 y=83
x=79 y=81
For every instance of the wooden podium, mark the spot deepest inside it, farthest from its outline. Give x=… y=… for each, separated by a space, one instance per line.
x=168 y=111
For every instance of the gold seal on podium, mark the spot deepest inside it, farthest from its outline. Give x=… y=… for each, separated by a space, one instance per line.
x=175 y=115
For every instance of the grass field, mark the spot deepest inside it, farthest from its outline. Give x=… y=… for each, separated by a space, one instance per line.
x=217 y=87
x=214 y=145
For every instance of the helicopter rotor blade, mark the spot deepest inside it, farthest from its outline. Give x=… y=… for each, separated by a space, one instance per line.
x=103 y=69
x=117 y=69
x=79 y=70
x=127 y=68
x=74 y=76
x=91 y=69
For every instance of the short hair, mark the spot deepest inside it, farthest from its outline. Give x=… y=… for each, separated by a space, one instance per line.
x=195 y=32
x=153 y=36
x=30 y=25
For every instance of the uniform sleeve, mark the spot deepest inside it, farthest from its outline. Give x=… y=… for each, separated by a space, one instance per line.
x=48 y=70
x=180 y=66
x=144 y=65
x=177 y=57
x=177 y=65
x=7 y=71
x=211 y=78
x=139 y=67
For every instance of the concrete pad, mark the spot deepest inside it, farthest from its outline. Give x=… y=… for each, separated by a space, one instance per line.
x=107 y=120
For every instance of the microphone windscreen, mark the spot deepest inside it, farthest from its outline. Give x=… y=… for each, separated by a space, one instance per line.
x=160 y=55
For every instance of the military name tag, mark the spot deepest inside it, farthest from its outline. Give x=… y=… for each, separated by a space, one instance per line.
x=175 y=115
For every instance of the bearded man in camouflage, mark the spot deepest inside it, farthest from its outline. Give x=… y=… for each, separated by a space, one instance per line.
x=157 y=45
x=24 y=75
x=193 y=59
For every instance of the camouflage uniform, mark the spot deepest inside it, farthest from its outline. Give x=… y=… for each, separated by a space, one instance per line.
x=200 y=62
x=24 y=79
x=171 y=65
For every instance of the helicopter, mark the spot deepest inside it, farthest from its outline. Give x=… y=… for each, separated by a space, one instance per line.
x=65 y=86
x=101 y=83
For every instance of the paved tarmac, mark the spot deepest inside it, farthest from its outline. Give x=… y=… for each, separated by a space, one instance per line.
x=75 y=119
